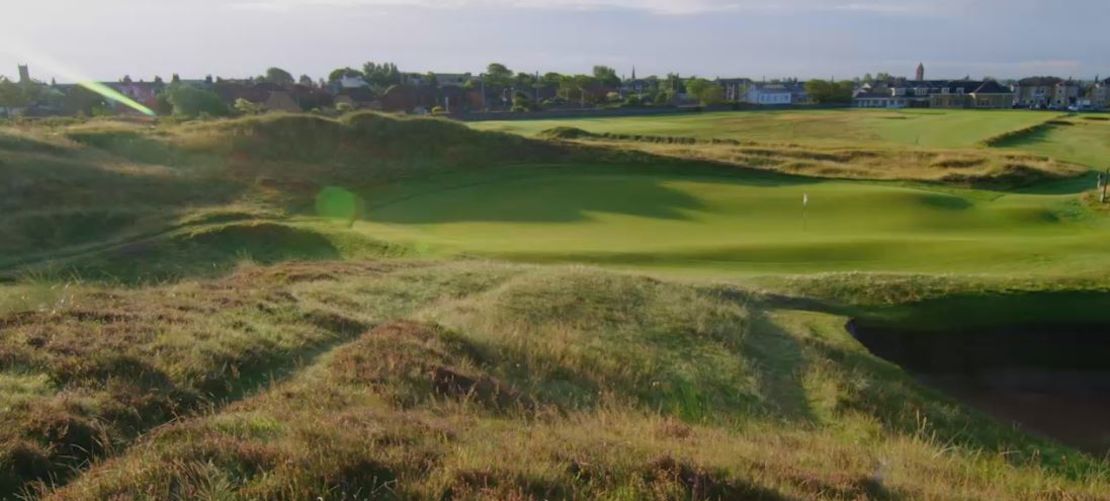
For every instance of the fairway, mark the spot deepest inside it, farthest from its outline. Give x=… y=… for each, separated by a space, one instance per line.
x=737 y=224
x=925 y=128
x=1084 y=140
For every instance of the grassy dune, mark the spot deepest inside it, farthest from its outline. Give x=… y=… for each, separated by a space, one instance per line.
x=486 y=381
x=292 y=307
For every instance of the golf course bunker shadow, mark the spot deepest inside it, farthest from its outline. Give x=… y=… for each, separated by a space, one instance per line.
x=1049 y=379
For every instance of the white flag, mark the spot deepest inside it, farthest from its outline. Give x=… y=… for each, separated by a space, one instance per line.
x=805 y=199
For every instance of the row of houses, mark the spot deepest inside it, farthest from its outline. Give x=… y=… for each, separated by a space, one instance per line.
x=1033 y=92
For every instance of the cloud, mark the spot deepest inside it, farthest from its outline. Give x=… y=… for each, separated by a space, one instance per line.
x=661 y=7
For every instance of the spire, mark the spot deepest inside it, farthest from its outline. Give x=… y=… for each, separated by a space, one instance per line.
x=921 y=71
x=633 y=71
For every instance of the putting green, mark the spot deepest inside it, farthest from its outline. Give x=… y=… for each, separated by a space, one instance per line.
x=739 y=224
x=926 y=128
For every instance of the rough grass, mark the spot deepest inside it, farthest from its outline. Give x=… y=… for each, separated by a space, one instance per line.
x=485 y=381
x=955 y=167
x=157 y=343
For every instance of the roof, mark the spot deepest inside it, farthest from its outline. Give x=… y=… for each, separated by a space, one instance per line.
x=874 y=95
x=1039 y=81
x=992 y=87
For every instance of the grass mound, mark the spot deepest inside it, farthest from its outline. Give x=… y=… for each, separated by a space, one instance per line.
x=493 y=382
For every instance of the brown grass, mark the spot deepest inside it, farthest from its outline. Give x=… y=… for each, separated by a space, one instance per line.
x=965 y=168
x=482 y=381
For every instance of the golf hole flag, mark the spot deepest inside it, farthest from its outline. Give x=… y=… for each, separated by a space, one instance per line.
x=805 y=200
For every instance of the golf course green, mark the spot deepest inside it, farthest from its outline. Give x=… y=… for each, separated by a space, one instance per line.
x=738 y=223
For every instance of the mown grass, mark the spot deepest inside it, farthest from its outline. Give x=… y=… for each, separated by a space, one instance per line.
x=492 y=381
x=856 y=128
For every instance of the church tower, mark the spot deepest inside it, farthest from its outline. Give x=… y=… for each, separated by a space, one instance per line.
x=921 y=71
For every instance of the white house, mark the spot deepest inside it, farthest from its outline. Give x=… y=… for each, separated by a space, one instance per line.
x=771 y=93
x=348 y=82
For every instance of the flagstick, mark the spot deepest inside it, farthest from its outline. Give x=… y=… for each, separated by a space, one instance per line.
x=805 y=207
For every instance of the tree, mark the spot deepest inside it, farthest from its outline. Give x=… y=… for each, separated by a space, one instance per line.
x=305 y=80
x=247 y=108
x=81 y=101
x=673 y=83
x=705 y=91
x=191 y=102
x=498 y=75
x=11 y=94
x=551 y=79
x=606 y=76
x=524 y=81
x=827 y=92
x=341 y=73
x=278 y=76
x=583 y=83
x=381 y=76
x=522 y=101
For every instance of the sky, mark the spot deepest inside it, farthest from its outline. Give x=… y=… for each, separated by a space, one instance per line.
x=107 y=39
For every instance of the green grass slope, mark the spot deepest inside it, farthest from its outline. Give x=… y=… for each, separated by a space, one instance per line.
x=739 y=224
x=291 y=307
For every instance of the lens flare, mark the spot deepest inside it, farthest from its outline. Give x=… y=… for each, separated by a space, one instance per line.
x=43 y=61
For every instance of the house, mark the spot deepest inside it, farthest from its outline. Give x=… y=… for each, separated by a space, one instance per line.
x=1097 y=95
x=145 y=93
x=902 y=93
x=280 y=100
x=1044 y=92
x=358 y=98
x=991 y=95
x=352 y=82
x=736 y=89
x=776 y=93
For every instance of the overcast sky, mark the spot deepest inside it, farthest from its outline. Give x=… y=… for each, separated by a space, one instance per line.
x=106 y=39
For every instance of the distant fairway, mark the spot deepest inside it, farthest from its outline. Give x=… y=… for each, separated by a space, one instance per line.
x=705 y=223
x=926 y=128
x=1086 y=141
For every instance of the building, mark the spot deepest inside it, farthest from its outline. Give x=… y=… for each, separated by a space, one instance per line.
x=145 y=93
x=1046 y=92
x=352 y=82
x=920 y=72
x=24 y=74
x=736 y=89
x=1097 y=95
x=776 y=93
x=920 y=93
